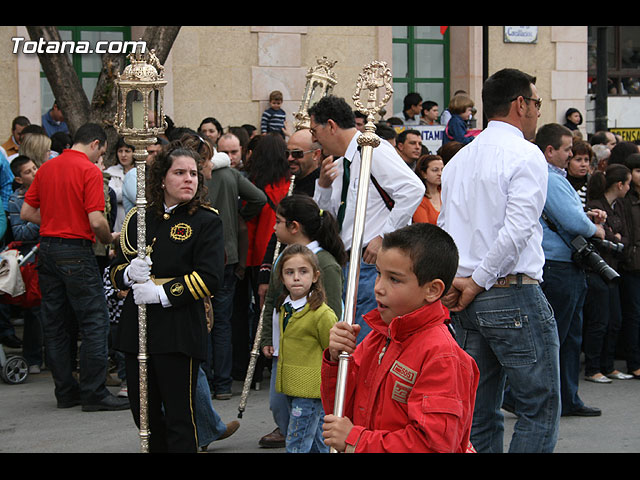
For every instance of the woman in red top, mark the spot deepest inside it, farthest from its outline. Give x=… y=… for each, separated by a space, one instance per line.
x=429 y=169
x=269 y=171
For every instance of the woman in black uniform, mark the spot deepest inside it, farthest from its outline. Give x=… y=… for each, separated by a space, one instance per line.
x=176 y=280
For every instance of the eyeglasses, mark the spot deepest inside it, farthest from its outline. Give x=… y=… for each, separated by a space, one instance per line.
x=538 y=101
x=297 y=154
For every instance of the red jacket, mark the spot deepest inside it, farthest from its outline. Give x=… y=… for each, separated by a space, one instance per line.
x=418 y=398
x=260 y=227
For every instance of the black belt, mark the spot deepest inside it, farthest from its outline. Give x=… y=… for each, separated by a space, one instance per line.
x=81 y=242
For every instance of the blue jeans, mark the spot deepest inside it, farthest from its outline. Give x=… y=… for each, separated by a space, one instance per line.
x=221 y=359
x=69 y=276
x=565 y=286
x=511 y=334
x=209 y=425
x=304 y=433
x=366 y=296
x=278 y=401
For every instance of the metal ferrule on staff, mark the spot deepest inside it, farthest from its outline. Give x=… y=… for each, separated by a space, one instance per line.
x=320 y=82
x=140 y=119
x=374 y=76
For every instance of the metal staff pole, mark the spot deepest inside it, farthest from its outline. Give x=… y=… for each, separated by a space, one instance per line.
x=255 y=351
x=374 y=76
x=320 y=82
x=140 y=119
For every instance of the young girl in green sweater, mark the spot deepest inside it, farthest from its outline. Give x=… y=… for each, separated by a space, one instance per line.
x=300 y=221
x=305 y=322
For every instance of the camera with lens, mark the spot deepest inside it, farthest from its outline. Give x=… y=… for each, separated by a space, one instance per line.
x=587 y=256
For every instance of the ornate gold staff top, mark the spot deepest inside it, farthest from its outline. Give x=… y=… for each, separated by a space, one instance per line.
x=374 y=76
x=139 y=119
x=320 y=82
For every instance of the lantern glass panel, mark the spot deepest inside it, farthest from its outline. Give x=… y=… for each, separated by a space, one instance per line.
x=135 y=110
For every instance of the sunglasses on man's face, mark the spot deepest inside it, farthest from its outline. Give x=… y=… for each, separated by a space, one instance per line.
x=297 y=154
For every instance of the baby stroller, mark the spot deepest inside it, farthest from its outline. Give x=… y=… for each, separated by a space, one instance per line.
x=14 y=368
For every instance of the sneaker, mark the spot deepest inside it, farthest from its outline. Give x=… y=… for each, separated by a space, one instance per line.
x=34 y=369
x=123 y=393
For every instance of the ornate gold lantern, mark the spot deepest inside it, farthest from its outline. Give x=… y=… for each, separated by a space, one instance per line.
x=320 y=82
x=140 y=119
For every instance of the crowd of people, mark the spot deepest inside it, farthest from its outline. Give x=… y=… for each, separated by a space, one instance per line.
x=488 y=269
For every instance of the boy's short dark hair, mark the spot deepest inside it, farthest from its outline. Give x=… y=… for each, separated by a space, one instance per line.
x=433 y=253
x=17 y=164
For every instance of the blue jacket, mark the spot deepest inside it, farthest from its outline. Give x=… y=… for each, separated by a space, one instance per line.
x=564 y=208
x=456 y=131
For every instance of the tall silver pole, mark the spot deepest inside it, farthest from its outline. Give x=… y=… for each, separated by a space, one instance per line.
x=255 y=351
x=374 y=76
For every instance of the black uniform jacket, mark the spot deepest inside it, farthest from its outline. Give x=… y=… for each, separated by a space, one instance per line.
x=187 y=252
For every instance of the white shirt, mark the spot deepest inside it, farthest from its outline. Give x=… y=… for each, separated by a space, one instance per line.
x=392 y=174
x=493 y=193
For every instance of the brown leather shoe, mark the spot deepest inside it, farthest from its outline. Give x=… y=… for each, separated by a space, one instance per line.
x=231 y=429
x=274 y=439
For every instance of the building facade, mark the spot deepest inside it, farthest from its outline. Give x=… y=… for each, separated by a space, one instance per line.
x=228 y=71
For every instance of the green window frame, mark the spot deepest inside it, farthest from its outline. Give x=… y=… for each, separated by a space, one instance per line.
x=414 y=68
x=87 y=66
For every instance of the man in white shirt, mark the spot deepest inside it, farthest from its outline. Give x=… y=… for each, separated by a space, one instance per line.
x=394 y=190
x=493 y=193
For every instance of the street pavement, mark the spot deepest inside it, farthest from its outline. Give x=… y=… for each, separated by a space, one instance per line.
x=31 y=423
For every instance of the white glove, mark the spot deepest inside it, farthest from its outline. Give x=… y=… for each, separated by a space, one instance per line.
x=146 y=293
x=139 y=271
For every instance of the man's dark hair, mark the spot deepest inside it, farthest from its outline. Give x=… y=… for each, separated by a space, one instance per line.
x=402 y=136
x=20 y=120
x=33 y=128
x=359 y=114
x=621 y=151
x=503 y=87
x=385 y=131
x=88 y=133
x=551 y=134
x=334 y=108
x=410 y=100
x=599 y=138
x=432 y=251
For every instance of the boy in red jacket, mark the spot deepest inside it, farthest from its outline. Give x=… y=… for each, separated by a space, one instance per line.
x=410 y=387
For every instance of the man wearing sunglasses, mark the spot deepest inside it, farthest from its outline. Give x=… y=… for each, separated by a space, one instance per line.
x=493 y=193
x=304 y=158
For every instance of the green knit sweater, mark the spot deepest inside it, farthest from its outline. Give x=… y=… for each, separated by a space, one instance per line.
x=301 y=347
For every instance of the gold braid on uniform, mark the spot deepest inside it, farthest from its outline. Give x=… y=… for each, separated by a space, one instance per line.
x=196 y=286
x=125 y=245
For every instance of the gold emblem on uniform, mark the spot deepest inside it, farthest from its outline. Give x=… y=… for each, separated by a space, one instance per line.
x=176 y=289
x=180 y=232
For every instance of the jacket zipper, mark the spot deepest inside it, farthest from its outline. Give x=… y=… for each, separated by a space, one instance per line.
x=384 y=349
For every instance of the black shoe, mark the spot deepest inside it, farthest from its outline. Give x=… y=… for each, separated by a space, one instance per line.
x=68 y=403
x=584 y=411
x=11 y=341
x=110 y=403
